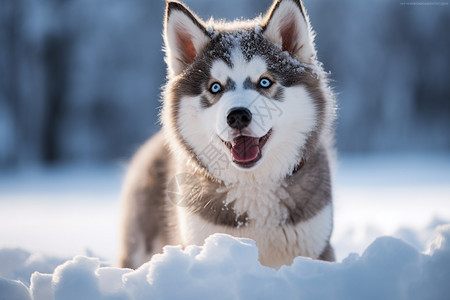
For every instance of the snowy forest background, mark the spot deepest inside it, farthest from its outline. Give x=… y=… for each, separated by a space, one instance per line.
x=80 y=80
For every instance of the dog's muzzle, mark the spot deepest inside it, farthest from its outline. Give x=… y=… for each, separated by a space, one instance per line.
x=239 y=118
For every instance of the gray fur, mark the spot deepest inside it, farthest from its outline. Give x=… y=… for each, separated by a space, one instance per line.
x=150 y=215
x=144 y=197
x=328 y=254
x=310 y=189
x=150 y=212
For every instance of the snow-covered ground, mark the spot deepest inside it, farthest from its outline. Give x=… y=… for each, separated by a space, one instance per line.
x=56 y=214
x=228 y=268
x=402 y=195
x=61 y=211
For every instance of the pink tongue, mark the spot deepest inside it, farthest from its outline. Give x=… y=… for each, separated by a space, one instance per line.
x=245 y=149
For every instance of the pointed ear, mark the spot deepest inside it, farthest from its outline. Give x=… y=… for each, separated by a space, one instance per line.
x=184 y=37
x=287 y=25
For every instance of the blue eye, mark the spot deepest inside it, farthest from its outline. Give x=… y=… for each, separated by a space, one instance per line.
x=215 y=88
x=265 y=83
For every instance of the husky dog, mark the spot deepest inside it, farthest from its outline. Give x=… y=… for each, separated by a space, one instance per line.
x=246 y=141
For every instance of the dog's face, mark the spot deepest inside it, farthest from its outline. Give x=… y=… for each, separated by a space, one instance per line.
x=244 y=98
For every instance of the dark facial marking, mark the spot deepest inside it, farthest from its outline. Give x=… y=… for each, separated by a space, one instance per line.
x=273 y=92
x=249 y=85
x=279 y=94
x=204 y=102
x=230 y=85
x=208 y=99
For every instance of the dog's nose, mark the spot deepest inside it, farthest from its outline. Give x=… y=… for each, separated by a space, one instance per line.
x=239 y=118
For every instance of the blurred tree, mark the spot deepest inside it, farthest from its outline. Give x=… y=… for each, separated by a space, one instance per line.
x=10 y=20
x=81 y=79
x=56 y=55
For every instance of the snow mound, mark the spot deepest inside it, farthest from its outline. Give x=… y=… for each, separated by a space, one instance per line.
x=228 y=268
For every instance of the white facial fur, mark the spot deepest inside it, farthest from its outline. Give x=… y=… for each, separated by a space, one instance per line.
x=241 y=97
x=291 y=121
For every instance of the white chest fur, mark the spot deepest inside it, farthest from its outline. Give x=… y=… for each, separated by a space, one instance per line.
x=278 y=243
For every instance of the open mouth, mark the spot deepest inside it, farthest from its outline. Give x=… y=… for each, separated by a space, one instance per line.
x=246 y=150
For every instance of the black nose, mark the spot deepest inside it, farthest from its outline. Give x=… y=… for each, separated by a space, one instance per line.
x=239 y=118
